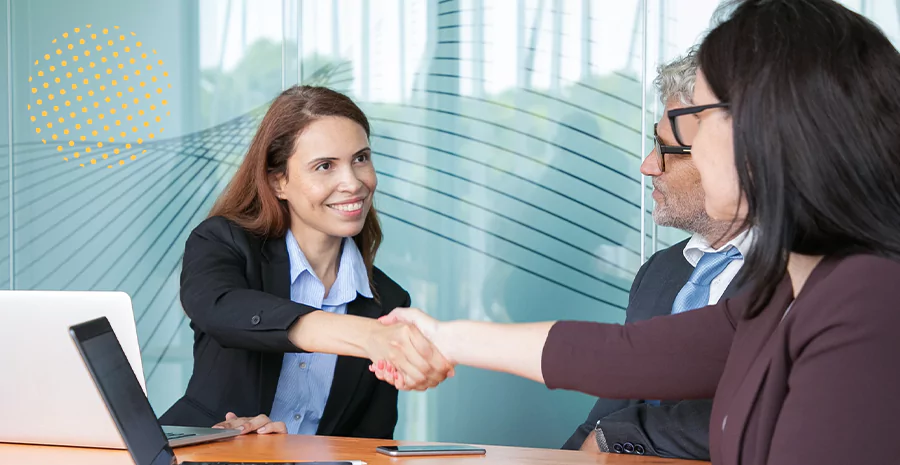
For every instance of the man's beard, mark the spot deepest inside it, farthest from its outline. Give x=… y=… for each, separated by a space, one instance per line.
x=687 y=213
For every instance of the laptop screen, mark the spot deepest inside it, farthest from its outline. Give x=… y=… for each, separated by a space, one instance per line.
x=106 y=361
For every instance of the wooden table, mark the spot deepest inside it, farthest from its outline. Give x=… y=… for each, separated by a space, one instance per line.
x=253 y=448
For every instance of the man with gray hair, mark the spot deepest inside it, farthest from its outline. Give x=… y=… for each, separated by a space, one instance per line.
x=688 y=275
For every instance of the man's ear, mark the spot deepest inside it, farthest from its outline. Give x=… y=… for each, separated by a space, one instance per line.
x=278 y=183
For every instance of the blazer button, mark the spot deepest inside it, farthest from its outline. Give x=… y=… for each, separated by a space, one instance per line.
x=255 y=320
x=617 y=448
x=628 y=448
x=639 y=449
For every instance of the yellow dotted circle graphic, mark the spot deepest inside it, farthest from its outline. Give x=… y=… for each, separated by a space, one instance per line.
x=123 y=60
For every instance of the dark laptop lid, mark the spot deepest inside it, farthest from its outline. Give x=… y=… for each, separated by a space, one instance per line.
x=105 y=360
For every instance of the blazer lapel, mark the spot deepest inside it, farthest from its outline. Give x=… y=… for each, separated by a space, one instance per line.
x=659 y=286
x=276 y=277
x=348 y=372
x=754 y=361
x=733 y=288
x=276 y=268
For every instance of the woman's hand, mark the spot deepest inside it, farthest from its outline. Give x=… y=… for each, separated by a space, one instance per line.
x=415 y=363
x=387 y=371
x=427 y=324
x=508 y=348
x=260 y=423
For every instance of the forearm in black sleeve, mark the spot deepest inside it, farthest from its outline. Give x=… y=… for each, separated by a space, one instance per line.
x=578 y=437
x=679 y=430
x=216 y=297
x=602 y=408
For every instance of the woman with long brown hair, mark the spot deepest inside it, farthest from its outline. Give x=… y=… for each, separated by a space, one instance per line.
x=281 y=288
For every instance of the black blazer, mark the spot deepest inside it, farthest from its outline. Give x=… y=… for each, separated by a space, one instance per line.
x=677 y=429
x=235 y=288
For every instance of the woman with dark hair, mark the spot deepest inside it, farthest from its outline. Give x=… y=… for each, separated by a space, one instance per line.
x=281 y=288
x=795 y=132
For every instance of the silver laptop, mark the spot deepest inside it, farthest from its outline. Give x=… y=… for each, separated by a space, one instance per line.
x=46 y=386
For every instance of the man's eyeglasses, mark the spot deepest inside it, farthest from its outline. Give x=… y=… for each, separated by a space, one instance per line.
x=662 y=149
x=684 y=123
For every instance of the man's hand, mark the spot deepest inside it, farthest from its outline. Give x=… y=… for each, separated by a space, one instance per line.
x=590 y=444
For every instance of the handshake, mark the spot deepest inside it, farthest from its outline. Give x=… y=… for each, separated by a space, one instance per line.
x=410 y=351
x=405 y=350
x=414 y=352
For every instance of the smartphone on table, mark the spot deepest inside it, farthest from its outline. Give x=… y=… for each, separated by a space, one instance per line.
x=446 y=449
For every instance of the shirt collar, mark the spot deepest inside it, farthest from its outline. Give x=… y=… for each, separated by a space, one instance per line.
x=698 y=245
x=352 y=277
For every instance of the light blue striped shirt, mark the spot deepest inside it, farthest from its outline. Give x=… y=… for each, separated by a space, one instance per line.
x=305 y=380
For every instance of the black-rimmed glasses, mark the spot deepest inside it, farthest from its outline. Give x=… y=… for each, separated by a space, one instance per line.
x=684 y=125
x=663 y=149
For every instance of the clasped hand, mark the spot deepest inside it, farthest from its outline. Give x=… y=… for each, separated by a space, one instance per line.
x=412 y=361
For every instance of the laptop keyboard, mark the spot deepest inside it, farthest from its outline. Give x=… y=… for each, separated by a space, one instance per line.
x=171 y=436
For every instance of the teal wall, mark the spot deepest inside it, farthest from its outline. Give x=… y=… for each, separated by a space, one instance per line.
x=508 y=136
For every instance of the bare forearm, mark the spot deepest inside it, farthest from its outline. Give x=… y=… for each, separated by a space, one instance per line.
x=331 y=333
x=509 y=348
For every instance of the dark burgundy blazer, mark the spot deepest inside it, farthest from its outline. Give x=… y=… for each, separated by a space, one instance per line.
x=820 y=386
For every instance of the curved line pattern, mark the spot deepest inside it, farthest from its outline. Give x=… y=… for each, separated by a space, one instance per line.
x=517 y=199
x=504 y=239
x=124 y=229
x=500 y=148
x=537 y=139
x=622 y=150
x=497 y=213
x=502 y=260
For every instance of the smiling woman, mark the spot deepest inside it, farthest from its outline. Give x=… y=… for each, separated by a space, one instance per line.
x=281 y=288
x=329 y=183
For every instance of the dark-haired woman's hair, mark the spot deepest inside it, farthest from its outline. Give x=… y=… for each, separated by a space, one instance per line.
x=814 y=94
x=250 y=199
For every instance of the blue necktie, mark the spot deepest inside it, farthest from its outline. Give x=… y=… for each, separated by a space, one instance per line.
x=695 y=293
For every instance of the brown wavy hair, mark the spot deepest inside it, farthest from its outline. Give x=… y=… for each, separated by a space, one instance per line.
x=250 y=199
